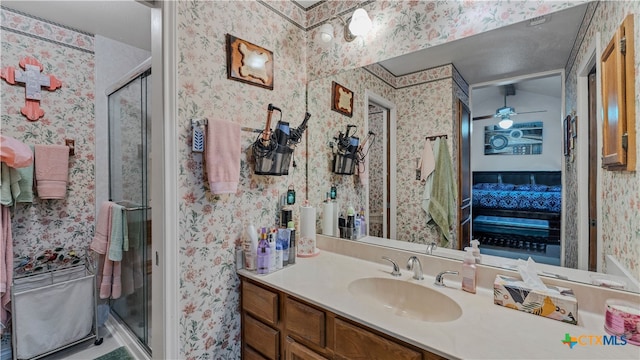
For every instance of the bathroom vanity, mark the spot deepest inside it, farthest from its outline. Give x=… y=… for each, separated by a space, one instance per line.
x=312 y=311
x=277 y=324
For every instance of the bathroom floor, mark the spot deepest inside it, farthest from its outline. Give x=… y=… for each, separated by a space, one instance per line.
x=87 y=350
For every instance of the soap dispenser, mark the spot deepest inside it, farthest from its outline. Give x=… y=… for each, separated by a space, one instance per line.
x=469 y=275
x=475 y=250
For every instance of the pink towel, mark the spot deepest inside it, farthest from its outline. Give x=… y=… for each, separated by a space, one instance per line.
x=427 y=161
x=222 y=156
x=14 y=153
x=103 y=228
x=52 y=170
x=6 y=266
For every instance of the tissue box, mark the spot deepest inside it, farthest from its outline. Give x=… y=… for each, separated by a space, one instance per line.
x=560 y=304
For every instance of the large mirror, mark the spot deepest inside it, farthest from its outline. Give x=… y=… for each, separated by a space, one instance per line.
x=428 y=94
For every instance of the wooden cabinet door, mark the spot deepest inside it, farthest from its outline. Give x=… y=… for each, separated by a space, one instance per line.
x=261 y=338
x=352 y=342
x=304 y=321
x=618 y=100
x=295 y=351
x=260 y=302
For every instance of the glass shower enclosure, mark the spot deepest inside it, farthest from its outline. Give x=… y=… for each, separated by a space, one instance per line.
x=130 y=185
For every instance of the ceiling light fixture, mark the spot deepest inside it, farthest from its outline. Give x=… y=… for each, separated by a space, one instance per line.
x=505 y=123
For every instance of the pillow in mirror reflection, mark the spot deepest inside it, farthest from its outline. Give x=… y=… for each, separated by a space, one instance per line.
x=307 y=247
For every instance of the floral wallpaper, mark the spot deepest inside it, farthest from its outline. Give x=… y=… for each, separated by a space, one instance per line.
x=620 y=197
x=211 y=226
x=69 y=114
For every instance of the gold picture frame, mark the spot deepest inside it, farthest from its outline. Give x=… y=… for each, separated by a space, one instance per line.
x=341 y=99
x=249 y=63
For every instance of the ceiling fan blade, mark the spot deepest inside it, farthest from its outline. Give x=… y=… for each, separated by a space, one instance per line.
x=531 y=112
x=484 y=117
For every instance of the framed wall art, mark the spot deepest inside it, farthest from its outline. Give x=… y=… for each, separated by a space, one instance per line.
x=249 y=63
x=519 y=139
x=341 y=99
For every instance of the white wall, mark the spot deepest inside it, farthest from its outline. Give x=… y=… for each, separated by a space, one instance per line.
x=487 y=103
x=113 y=60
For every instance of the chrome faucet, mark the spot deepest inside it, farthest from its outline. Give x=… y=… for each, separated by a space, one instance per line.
x=415 y=265
x=396 y=268
x=439 y=278
x=430 y=247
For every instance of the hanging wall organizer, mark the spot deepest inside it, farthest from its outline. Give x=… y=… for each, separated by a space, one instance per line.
x=32 y=79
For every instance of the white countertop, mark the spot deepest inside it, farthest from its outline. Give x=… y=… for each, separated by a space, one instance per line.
x=484 y=331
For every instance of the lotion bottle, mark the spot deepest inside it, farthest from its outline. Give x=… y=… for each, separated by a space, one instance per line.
x=469 y=274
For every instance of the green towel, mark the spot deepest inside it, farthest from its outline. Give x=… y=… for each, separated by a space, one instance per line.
x=119 y=240
x=9 y=187
x=26 y=183
x=442 y=205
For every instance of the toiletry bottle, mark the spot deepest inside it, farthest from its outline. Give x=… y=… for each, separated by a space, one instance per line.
x=283 y=239
x=278 y=254
x=476 y=250
x=363 y=223
x=292 y=243
x=351 y=222
x=271 y=238
x=469 y=275
x=250 y=247
x=264 y=252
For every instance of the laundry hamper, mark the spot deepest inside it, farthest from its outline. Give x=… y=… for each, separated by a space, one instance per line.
x=54 y=310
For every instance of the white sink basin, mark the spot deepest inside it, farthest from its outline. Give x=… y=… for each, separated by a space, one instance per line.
x=406 y=299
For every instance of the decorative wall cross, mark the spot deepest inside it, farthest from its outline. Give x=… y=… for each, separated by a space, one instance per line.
x=33 y=80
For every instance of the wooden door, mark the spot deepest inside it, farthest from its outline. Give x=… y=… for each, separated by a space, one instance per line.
x=464 y=173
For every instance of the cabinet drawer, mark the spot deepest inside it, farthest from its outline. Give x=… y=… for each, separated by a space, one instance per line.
x=305 y=321
x=250 y=354
x=261 y=338
x=261 y=303
x=295 y=351
x=352 y=342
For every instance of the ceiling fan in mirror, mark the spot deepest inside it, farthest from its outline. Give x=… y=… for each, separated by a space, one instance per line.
x=506 y=112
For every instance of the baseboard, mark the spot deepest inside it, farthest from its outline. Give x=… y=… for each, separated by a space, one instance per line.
x=124 y=337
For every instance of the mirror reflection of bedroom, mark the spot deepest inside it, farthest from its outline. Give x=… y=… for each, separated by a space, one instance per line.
x=516 y=158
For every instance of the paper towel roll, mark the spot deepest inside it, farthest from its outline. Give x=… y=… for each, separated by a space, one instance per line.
x=308 y=222
x=336 y=215
x=327 y=219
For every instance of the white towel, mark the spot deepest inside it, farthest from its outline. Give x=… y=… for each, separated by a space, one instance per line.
x=427 y=161
x=426 y=195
